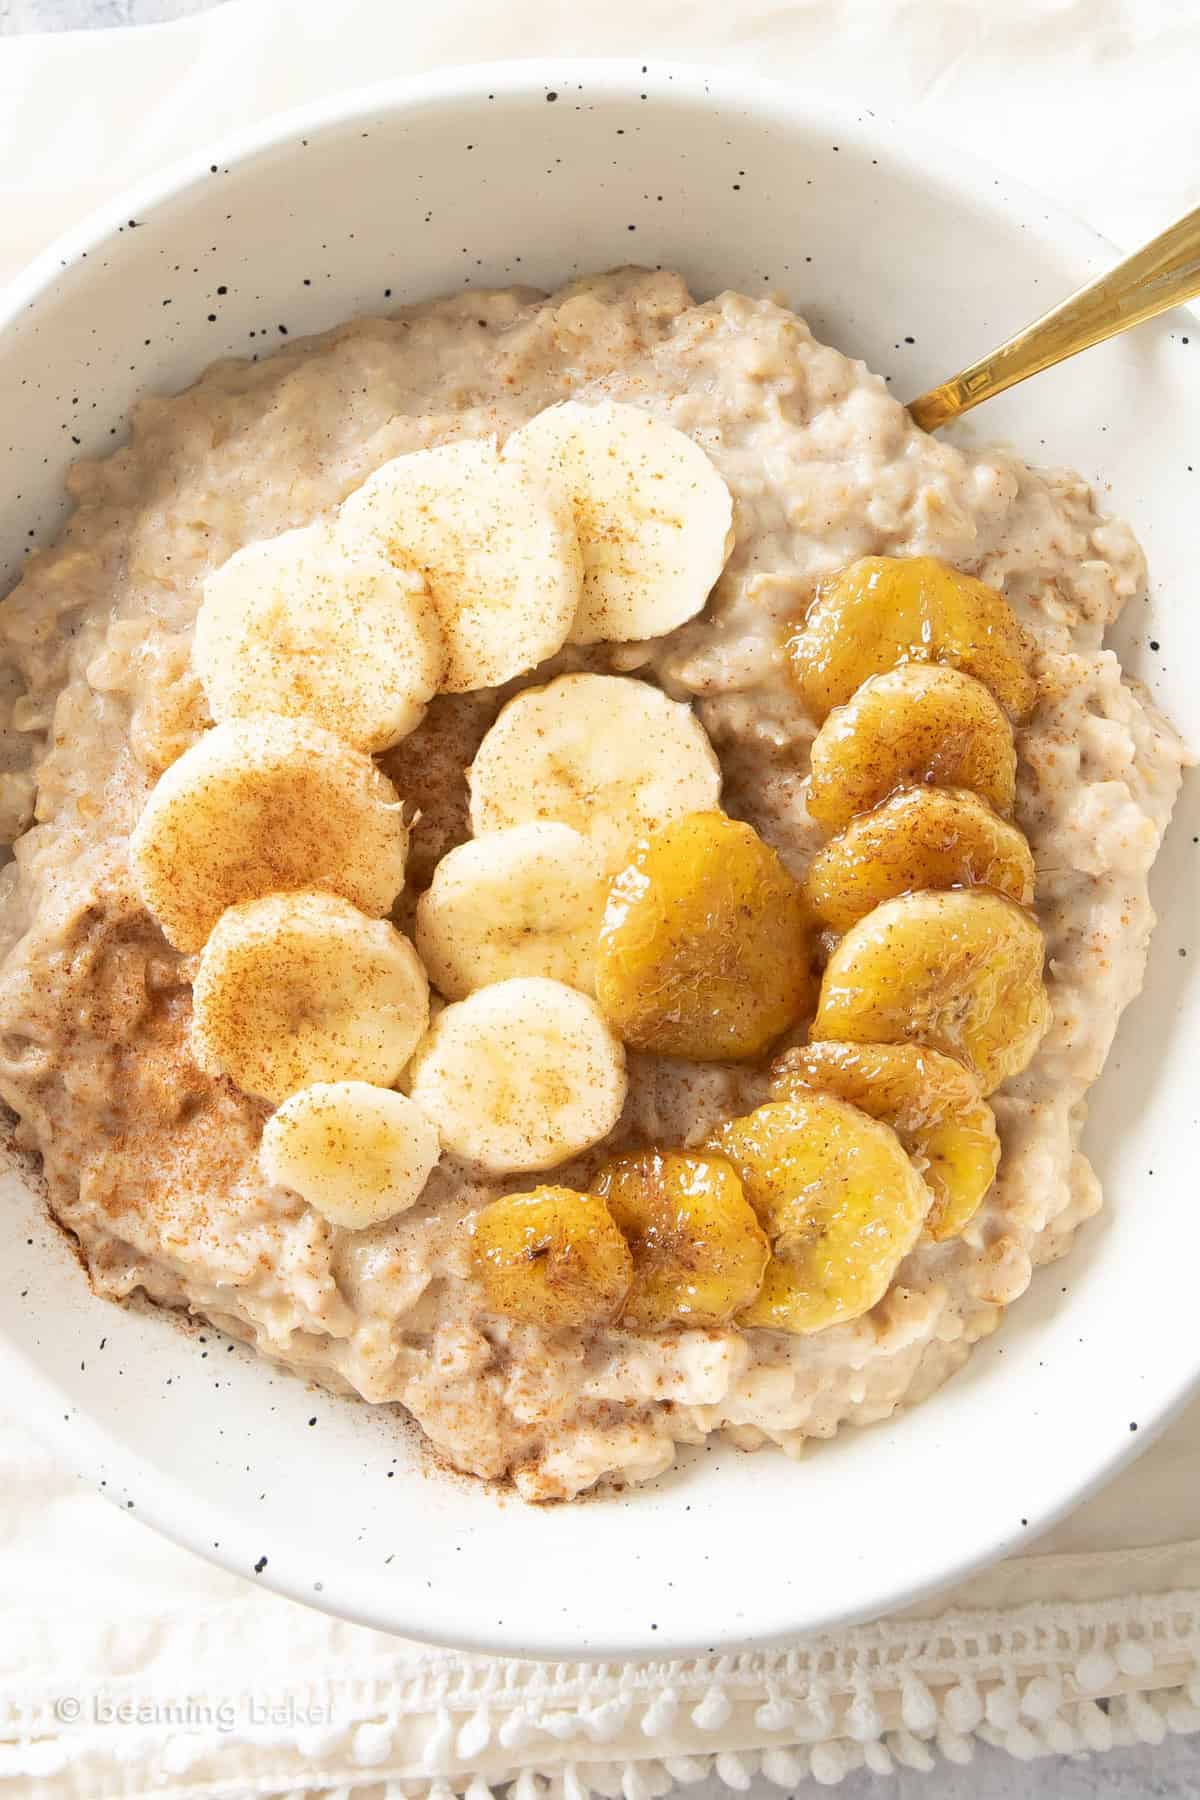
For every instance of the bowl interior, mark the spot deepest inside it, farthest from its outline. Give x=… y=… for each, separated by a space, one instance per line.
x=894 y=252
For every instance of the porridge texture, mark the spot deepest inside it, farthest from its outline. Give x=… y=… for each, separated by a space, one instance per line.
x=152 y=1164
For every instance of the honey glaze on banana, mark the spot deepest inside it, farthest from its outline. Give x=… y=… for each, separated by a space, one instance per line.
x=933 y=959
x=603 y=986
x=928 y=882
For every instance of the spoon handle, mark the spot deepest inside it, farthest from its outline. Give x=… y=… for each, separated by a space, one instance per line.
x=1163 y=274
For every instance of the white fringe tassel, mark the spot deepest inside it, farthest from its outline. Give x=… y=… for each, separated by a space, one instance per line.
x=1045 y=1717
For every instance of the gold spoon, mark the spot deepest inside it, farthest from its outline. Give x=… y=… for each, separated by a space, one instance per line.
x=1163 y=274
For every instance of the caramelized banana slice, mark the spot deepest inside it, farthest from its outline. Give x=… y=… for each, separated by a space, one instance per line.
x=551 y=1257
x=961 y=972
x=886 y=610
x=698 y=1250
x=839 y=1200
x=930 y=1101
x=919 y=726
x=706 y=947
x=922 y=837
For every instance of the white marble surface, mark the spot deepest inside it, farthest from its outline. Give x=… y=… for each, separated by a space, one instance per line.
x=70 y=15
x=1170 y=1771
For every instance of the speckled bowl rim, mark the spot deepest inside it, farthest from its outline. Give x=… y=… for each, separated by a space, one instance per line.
x=85 y=1444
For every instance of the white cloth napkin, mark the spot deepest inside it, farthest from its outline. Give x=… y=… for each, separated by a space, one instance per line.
x=129 y=1667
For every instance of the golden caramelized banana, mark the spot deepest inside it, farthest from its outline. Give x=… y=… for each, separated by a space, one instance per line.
x=930 y=1101
x=923 y=837
x=884 y=610
x=839 y=1200
x=919 y=726
x=706 y=947
x=551 y=1257
x=961 y=972
x=698 y=1250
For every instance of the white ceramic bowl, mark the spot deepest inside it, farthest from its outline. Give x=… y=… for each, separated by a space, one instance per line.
x=895 y=250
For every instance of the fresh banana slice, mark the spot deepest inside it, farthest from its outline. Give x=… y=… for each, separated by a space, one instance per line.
x=293 y=989
x=552 y=1258
x=261 y=806
x=932 y=1104
x=610 y=756
x=357 y=1154
x=526 y=901
x=961 y=972
x=653 y=516
x=920 y=725
x=885 y=610
x=924 y=837
x=498 y=550
x=520 y=1075
x=707 y=946
x=839 y=1200
x=698 y=1251
x=315 y=625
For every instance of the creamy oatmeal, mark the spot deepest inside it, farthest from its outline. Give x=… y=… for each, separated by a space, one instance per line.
x=151 y=1153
